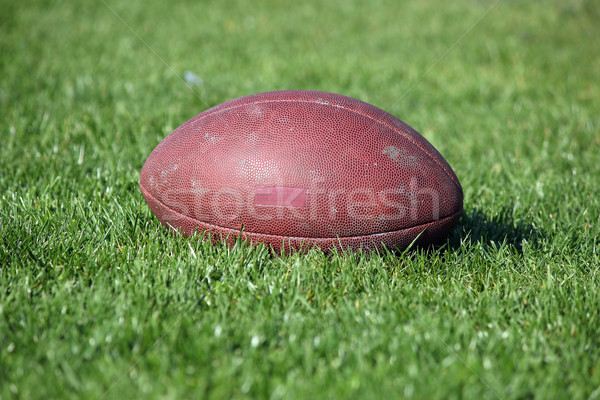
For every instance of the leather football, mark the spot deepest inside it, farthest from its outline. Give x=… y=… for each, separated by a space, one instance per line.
x=299 y=169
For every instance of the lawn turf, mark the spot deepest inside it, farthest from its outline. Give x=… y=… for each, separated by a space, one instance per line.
x=98 y=300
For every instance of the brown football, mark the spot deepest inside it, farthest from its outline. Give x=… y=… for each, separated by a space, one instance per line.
x=297 y=169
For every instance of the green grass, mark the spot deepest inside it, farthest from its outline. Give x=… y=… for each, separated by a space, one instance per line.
x=98 y=300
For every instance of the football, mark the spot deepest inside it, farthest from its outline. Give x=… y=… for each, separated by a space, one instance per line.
x=302 y=169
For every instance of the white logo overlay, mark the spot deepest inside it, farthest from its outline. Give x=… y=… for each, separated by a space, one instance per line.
x=410 y=203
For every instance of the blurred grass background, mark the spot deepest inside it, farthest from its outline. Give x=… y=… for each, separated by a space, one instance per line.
x=99 y=301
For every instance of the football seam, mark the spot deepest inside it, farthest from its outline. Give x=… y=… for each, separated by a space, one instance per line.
x=394 y=128
x=145 y=192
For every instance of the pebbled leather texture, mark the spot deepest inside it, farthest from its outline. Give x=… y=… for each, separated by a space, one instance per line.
x=296 y=169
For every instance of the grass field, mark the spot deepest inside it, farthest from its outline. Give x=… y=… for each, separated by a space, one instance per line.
x=99 y=301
